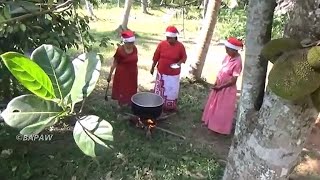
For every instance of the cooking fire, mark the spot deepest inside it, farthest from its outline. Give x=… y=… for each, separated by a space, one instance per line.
x=147 y=112
x=144 y=123
x=149 y=124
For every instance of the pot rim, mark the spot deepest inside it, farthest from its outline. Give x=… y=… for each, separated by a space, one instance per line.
x=162 y=100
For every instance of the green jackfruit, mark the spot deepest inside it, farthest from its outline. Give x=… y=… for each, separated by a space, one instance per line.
x=314 y=57
x=276 y=47
x=315 y=97
x=292 y=77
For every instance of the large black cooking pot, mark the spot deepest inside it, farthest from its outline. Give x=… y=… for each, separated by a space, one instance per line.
x=147 y=105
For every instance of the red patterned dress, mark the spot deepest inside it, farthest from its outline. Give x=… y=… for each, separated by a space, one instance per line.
x=168 y=79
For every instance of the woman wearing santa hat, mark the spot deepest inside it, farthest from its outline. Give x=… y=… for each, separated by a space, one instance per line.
x=168 y=57
x=219 y=111
x=125 y=83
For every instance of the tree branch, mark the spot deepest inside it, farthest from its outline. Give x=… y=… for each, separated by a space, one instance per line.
x=19 y=18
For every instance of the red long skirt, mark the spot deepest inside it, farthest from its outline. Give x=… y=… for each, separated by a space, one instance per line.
x=125 y=83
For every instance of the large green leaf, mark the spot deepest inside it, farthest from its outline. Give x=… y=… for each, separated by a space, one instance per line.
x=90 y=132
x=39 y=126
x=57 y=66
x=29 y=109
x=29 y=74
x=87 y=68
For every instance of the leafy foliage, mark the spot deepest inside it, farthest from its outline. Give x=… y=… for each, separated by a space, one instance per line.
x=63 y=28
x=29 y=74
x=51 y=77
x=97 y=131
x=87 y=76
x=232 y=22
x=58 y=66
x=60 y=28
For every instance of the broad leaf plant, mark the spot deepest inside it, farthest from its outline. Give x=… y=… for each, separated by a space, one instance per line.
x=57 y=85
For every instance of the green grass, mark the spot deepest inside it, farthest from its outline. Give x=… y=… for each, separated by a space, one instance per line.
x=134 y=157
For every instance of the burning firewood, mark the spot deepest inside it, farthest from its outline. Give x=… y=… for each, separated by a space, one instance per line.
x=150 y=124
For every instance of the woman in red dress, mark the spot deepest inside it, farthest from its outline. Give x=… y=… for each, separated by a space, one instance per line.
x=125 y=81
x=169 y=52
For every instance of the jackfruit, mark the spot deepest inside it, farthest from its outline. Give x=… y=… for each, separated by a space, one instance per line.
x=292 y=77
x=276 y=47
x=315 y=97
x=314 y=57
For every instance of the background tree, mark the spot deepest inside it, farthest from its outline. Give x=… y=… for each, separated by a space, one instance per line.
x=126 y=15
x=144 y=5
x=205 y=37
x=26 y=25
x=267 y=143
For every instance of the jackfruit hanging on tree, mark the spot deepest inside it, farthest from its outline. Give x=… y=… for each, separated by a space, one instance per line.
x=292 y=77
x=276 y=47
x=314 y=57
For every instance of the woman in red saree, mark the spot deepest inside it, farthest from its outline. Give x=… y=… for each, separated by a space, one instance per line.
x=125 y=81
x=168 y=52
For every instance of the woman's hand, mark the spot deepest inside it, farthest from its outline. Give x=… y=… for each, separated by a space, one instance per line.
x=109 y=79
x=152 y=70
x=217 y=88
x=214 y=85
x=180 y=62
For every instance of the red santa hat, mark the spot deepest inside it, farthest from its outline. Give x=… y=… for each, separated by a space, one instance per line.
x=172 y=31
x=128 y=36
x=233 y=43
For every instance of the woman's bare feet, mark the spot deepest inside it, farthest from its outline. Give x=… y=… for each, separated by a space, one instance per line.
x=203 y=124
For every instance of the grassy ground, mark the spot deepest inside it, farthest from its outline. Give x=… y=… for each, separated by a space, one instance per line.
x=134 y=157
x=200 y=156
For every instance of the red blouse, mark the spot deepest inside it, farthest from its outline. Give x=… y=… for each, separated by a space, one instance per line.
x=167 y=54
x=125 y=81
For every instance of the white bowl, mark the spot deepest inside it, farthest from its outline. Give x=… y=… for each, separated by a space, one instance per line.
x=175 y=66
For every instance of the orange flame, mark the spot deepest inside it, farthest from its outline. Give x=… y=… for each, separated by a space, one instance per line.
x=151 y=123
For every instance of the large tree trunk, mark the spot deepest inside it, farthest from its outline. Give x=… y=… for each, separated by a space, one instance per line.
x=271 y=151
x=259 y=26
x=205 y=37
x=267 y=144
x=304 y=20
x=126 y=14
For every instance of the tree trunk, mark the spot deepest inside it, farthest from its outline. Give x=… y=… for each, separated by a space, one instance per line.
x=126 y=14
x=118 y=3
x=271 y=151
x=163 y=2
x=205 y=37
x=200 y=4
x=267 y=143
x=205 y=7
x=259 y=26
x=304 y=20
x=144 y=5
x=89 y=9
